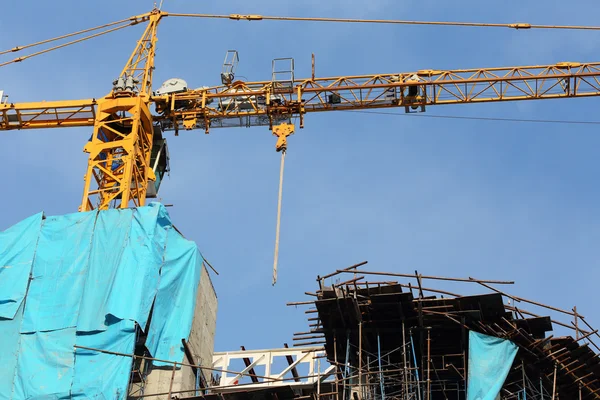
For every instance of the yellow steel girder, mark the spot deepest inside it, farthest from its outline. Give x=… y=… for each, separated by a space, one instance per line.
x=119 y=155
x=214 y=106
x=243 y=104
x=47 y=114
x=118 y=168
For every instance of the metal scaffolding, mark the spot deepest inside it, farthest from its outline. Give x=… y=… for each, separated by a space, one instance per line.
x=397 y=340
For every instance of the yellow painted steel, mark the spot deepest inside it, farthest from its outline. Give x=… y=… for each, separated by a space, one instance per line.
x=282 y=131
x=209 y=106
x=118 y=168
x=119 y=155
x=220 y=106
x=47 y=114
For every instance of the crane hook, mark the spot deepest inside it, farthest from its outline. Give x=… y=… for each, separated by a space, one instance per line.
x=282 y=131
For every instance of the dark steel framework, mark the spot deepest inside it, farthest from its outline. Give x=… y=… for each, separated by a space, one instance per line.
x=394 y=340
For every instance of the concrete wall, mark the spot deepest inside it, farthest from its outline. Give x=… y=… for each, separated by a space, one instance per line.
x=159 y=380
x=201 y=343
x=202 y=336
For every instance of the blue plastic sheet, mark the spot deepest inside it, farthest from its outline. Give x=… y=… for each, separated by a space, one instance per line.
x=111 y=235
x=17 y=248
x=93 y=276
x=178 y=286
x=100 y=375
x=137 y=275
x=126 y=256
x=45 y=365
x=9 y=352
x=59 y=272
x=490 y=360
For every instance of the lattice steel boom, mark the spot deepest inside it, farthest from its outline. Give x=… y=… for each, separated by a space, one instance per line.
x=266 y=103
x=262 y=103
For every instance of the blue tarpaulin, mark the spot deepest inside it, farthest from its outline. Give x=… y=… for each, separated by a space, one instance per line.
x=9 y=352
x=17 y=247
x=60 y=265
x=45 y=364
x=118 y=256
x=111 y=235
x=87 y=279
x=490 y=360
x=101 y=375
x=170 y=322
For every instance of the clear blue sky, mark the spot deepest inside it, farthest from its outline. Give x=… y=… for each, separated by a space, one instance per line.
x=451 y=197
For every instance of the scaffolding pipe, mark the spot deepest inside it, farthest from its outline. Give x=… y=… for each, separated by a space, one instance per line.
x=576 y=324
x=404 y=357
x=360 y=397
x=318 y=378
x=337 y=390
x=554 y=384
x=172 y=379
x=428 y=364
x=366 y=394
x=369 y=373
x=428 y=277
x=524 y=385
x=412 y=344
x=380 y=371
x=347 y=366
x=183 y=364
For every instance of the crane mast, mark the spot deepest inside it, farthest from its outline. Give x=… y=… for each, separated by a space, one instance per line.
x=118 y=167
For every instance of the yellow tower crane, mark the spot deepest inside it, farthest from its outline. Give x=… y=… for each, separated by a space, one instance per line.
x=127 y=151
x=120 y=173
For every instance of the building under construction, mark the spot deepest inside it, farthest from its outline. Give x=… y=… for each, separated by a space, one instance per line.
x=394 y=340
x=404 y=340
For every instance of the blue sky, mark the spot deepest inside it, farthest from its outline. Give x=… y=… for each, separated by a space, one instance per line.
x=450 y=197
